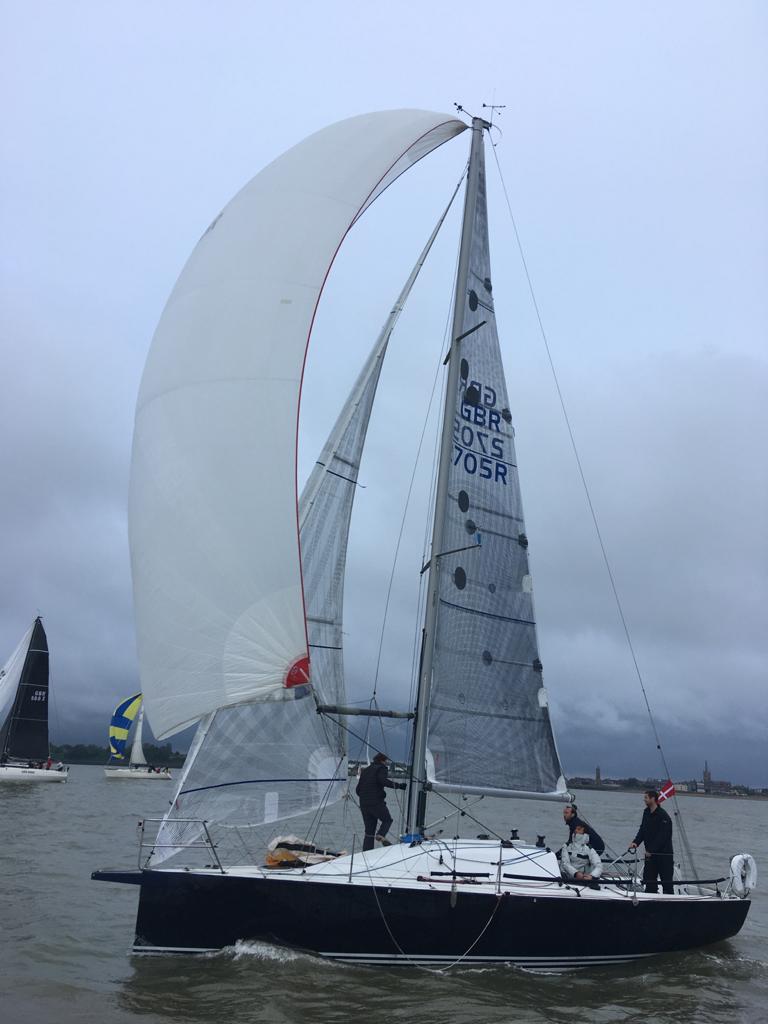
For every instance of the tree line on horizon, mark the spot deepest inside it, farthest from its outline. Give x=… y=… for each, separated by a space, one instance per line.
x=92 y=753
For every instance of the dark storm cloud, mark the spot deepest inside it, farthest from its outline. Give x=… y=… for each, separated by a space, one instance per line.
x=636 y=172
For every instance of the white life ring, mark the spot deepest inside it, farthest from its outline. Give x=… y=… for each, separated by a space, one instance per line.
x=743 y=874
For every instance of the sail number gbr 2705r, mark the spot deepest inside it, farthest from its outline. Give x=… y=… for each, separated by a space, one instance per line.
x=478 y=440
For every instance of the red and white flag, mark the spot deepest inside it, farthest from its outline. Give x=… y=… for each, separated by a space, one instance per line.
x=666 y=791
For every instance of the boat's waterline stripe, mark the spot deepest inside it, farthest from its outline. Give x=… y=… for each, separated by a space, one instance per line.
x=518 y=961
x=509 y=956
x=431 y=958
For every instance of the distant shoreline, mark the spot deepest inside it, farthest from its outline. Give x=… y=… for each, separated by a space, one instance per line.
x=634 y=789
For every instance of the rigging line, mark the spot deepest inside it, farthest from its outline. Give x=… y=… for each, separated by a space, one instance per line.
x=317 y=819
x=413 y=475
x=588 y=496
x=413 y=961
x=520 y=852
x=426 y=538
x=422 y=588
x=52 y=695
x=477 y=821
x=343 y=725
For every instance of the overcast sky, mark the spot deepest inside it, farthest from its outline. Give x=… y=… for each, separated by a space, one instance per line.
x=634 y=149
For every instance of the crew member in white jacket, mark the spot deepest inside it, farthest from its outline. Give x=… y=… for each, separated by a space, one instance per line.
x=578 y=860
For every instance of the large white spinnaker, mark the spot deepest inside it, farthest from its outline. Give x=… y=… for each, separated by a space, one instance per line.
x=268 y=761
x=212 y=514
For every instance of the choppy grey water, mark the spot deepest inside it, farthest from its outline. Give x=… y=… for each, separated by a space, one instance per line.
x=65 y=940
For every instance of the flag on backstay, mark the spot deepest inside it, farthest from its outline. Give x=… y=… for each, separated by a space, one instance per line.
x=666 y=791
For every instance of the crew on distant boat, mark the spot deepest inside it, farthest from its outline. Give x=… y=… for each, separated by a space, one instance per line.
x=656 y=832
x=580 y=861
x=572 y=820
x=373 y=801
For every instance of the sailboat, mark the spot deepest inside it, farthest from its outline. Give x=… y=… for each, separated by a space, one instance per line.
x=24 y=750
x=238 y=588
x=119 y=728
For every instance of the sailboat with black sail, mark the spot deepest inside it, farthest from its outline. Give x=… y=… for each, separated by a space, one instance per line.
x=24 y=683
x=250 y=645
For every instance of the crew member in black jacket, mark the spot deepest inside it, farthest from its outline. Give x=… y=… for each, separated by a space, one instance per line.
x=373 y=800
x=656 y=832
x=572 y=819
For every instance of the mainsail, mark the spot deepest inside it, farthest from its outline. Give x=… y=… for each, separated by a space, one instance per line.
x=137 y=749
x=297 y=758
x=488 y=723
x=120 y=725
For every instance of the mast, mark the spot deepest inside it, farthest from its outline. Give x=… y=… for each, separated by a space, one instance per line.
x=417 y=796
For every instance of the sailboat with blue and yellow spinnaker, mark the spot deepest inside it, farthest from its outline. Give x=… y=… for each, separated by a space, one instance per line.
x=119 y=727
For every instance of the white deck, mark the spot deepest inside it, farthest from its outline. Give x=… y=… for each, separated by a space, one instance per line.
x=430 y=865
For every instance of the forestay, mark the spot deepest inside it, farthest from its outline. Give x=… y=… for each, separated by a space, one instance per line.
x=489 y=727
x=212 y=516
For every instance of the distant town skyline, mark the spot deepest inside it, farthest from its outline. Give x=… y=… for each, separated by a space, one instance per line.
x=706 y=784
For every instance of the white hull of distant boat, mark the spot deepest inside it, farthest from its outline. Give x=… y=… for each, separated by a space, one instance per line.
x=146 y=774
x=19 y=773
x=24 y=734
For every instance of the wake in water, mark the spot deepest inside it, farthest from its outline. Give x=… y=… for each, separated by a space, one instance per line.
x=262 y=951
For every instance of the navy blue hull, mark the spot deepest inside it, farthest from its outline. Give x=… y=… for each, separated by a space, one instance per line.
x=192 y=912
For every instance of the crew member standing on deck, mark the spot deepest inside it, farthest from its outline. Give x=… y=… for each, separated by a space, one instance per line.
x=656 y=832
x=373 y=801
